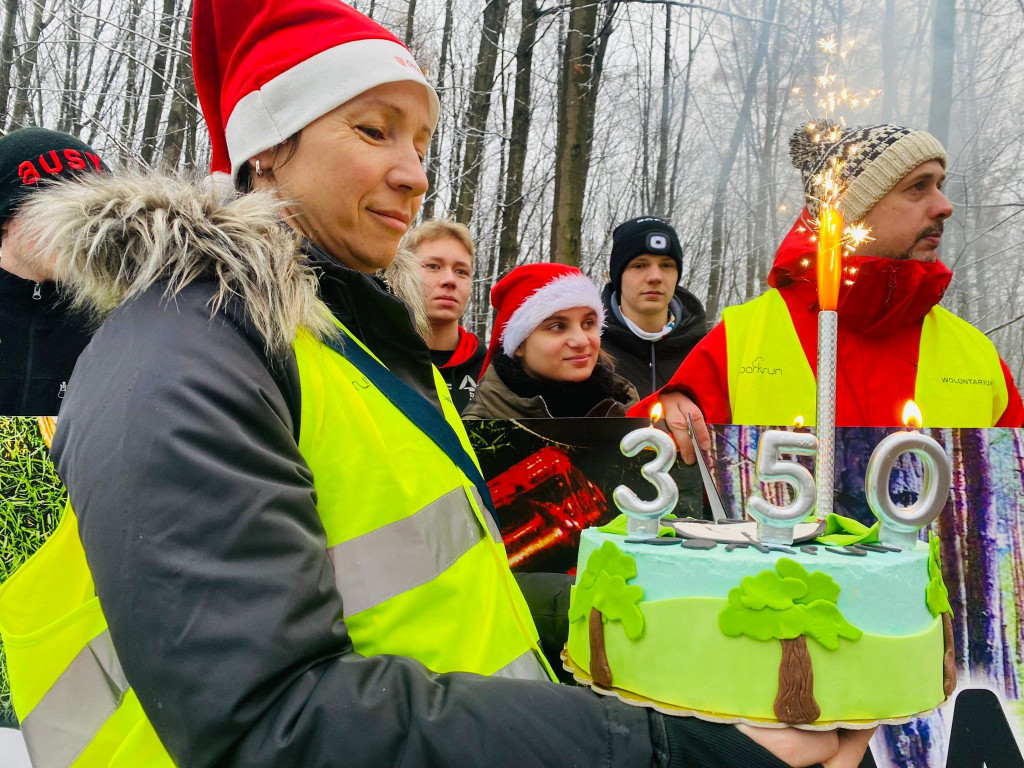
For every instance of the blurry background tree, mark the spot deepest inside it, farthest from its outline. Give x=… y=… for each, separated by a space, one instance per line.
x=560 y=118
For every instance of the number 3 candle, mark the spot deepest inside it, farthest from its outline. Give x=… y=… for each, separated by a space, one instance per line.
x=645 y=516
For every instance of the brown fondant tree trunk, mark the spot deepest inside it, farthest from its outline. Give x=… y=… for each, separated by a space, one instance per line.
x=599 y=669
x=948 y=657
x=795 y=701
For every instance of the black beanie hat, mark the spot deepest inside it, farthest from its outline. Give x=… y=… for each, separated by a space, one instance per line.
x=29 y=157
x=646 y=234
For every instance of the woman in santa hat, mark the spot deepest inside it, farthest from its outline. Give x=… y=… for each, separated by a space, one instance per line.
x=273 y=499
x=545 y=354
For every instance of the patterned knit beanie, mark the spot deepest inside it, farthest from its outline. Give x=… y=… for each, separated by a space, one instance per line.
x=876 y=157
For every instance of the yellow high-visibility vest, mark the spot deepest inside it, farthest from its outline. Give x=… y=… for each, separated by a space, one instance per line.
x=959 y=378
x=416 y=556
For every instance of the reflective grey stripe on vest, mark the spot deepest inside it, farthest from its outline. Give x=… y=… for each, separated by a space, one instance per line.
x=405 y=554
x=76 y=706
x=492 y=527
x=525 y=667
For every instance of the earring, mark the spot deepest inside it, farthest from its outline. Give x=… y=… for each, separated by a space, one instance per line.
x=259 y=171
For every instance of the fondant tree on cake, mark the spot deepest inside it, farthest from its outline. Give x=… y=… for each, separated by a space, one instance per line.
x=937 y=599
x=602 y=595
x=789 y=604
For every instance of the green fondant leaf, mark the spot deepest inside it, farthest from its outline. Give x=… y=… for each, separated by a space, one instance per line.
x=582 y=601
x=937 y=597
x=842 y=531
x=618 y=526
x=612 y=560
x=826 y=624
x=618 y=602
x=820 y=586
x=769 y=590
x=736 y=620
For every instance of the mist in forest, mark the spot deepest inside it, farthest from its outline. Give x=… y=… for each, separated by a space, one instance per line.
x=561 y=119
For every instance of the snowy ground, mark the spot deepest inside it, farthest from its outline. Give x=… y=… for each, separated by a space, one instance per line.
x=12 y=750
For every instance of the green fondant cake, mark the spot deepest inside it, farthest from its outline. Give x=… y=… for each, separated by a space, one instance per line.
x=818 y=635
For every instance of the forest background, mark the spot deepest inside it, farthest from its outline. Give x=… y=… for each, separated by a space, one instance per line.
x=560 y=119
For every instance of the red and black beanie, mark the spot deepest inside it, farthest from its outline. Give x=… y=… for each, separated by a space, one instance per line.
x=31 y=157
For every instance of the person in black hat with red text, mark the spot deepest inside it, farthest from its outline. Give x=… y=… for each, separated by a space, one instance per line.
x=40 y=336
x=653 y=323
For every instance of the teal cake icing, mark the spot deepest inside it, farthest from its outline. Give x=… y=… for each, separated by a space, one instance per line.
x=666 y=572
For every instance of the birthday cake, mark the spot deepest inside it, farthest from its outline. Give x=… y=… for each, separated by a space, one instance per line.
x=811 y=634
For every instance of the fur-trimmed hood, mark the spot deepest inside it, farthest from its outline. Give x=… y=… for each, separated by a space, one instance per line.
x=114 y=237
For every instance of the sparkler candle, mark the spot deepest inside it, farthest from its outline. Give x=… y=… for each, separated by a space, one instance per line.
x=899 y=525
x=645 y=516
x=830 y=258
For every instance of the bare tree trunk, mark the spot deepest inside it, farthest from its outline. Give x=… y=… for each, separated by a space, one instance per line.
x=479 y=108
x=795 y=702
x=599 y=669
x=714 y=303
x=433 y=159
x=582 y=64
x=692 y=52
x=943 y=52
x=27 y=63
x=7 y=56
x=408 y=23
x=70 y=83
x=665 y=126
x=174 y=133
x=508 y=251
x=157 y=84
x=130 y=113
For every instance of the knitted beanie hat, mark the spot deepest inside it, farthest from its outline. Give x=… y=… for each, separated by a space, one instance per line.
x=264 y=71
x=646 y=234
x=875 y=158
x=529 y=294
x=30 y=157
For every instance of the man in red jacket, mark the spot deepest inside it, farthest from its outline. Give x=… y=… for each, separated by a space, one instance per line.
x=757 y=366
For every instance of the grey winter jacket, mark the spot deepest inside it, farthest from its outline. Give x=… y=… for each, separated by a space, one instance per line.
x=178 y=443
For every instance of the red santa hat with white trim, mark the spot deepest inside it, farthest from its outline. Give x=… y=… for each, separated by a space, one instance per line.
x=529 y=294
x=265 y=70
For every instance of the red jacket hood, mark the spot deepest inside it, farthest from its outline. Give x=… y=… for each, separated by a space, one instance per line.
x=875 y=293
x=464 y=350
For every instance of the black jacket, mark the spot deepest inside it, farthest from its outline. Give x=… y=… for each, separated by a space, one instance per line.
x=650 y=364
x=178 y=447
x=460 y=368
x=40 y=340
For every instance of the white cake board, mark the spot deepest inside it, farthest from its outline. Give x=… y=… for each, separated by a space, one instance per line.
x=672 y=710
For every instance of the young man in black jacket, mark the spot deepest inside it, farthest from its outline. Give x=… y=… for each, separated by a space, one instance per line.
x=40 y=338
x=652 y=323
x=444 y=253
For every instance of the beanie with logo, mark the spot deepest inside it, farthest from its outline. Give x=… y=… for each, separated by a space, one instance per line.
x=31 y=157
x=644 y=234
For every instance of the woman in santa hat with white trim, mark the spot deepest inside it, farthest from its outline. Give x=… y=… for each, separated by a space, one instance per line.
x=213 y=445
x=545 y=355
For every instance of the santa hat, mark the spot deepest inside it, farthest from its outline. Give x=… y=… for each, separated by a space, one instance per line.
x=264 y=71
x=529 y=294
x=875 y=158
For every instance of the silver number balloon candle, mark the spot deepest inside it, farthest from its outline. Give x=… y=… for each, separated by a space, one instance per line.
x=899 y=525
x=644 y=516
x=775 y=524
